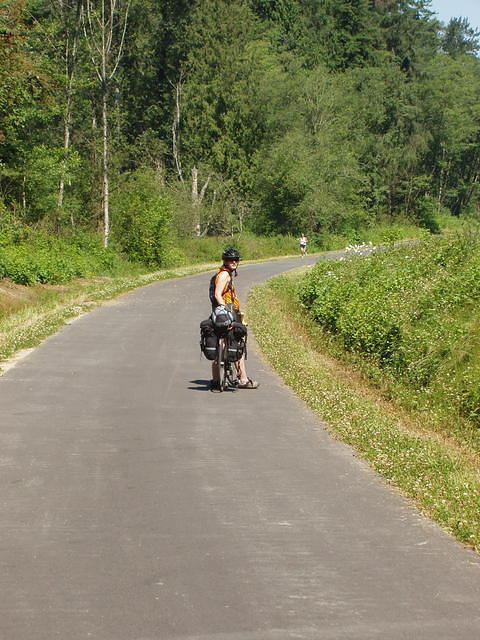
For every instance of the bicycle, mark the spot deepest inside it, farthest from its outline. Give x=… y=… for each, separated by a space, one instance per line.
x=228 y=375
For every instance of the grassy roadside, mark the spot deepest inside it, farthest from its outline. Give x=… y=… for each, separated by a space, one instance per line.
x=440 y=475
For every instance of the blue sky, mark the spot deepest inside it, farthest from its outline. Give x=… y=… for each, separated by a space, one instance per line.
x=446 y=9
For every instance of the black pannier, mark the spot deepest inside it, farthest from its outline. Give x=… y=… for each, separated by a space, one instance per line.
x=236 y=342
x=208 y=339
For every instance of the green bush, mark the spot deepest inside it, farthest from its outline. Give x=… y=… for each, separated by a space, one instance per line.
x=141 y=220
x=407 y=309
x=45 y=259
x=426 y=212
x=11 y=231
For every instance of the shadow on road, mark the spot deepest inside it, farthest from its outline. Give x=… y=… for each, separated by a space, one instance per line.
x=204 y=385
x=201 y=385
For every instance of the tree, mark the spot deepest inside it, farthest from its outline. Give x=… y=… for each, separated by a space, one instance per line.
x=221 y=124
x=460 y=38
x=70 y=19
x=285 y=22
x=309 y=178
x=27 y=102
x=410 y=34
x=105 y=25
x=350 y=36
x=155 y=49
x=451 y=111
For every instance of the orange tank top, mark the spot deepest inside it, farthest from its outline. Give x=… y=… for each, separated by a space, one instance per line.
x=229 y=293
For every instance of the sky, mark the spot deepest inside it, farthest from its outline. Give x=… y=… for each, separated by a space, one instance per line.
x=446 y=9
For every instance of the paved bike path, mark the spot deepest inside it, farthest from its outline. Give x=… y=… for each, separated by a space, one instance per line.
x=137 y=505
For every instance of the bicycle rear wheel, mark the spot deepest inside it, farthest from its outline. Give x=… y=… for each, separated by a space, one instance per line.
x=222 y=363
x=232 y=375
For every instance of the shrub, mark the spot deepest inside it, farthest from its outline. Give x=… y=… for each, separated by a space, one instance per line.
x=48 y=260
x=141 y=220
x=426 y=214
x=406 y=309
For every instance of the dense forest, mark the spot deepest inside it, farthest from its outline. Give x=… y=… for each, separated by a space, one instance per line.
x=146 y=120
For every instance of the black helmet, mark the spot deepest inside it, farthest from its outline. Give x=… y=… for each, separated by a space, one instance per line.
x=231 y=254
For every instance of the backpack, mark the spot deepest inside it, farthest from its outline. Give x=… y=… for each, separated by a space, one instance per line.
x=221 y=317
x=208 y=339
x=237 y=342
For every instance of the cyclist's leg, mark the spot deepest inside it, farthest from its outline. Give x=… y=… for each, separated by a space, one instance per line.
x=244 y=382
x=242 y=369
x=215 y=371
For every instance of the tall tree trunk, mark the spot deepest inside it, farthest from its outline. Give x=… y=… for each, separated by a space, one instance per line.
x=70 y=66
x=24 y=195
x=440 y=181
x=106 y=183
x=194 y=186
x=197 y=199
x=66 y=145
x=242 y=211
x=176 y=129
x=195 y=202
x=106 y=52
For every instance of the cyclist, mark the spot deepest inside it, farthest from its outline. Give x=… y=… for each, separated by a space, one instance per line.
x=223 y=293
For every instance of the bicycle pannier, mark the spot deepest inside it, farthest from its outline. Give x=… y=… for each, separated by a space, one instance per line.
x=236 y=342
x=208 y=339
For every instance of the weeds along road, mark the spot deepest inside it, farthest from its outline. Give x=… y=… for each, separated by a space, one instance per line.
x=136 y=505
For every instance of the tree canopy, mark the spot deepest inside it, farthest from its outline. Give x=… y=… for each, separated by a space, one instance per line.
x=271 y=115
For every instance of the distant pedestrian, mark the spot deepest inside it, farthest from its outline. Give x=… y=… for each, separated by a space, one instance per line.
x=303 y=245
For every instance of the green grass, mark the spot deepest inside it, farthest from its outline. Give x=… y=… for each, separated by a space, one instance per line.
x=251 y=247
x=441 y=475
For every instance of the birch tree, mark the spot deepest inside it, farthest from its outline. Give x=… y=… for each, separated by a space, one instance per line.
x=70 y=14
x=176 y=128
x=196 y=196
x=105 y=25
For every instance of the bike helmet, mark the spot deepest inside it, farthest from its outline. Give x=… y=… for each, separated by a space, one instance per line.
x=231 y=254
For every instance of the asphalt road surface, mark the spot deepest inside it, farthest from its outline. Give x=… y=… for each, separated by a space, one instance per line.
x=137 y=505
